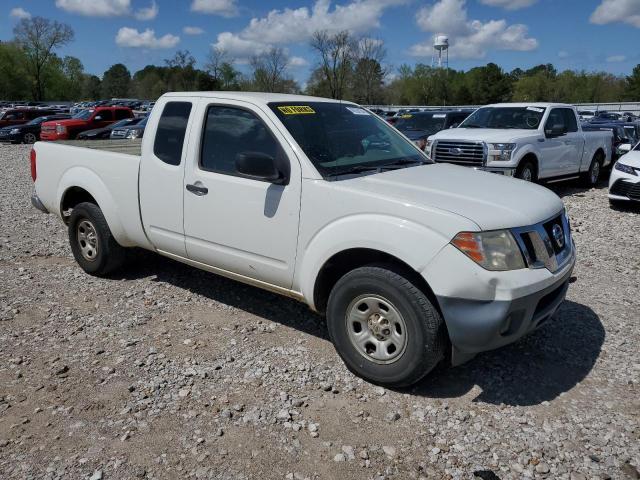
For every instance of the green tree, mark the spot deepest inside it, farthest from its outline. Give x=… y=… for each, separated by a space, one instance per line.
x=116 y=82
x=632 y=87
x=12 y=73
x=39 y=38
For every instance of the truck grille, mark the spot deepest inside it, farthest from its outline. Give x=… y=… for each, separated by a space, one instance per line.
x=623 y=188
x=547 y=244
x=471 y=154
x=48 y=128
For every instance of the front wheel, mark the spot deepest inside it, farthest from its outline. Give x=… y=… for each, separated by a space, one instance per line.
x=91 y=241
x=526 y=171
x=29 y=138
x=385 y=328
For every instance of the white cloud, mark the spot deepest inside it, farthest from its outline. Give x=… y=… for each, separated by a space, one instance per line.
x=131 y=37
x=469 y=38
x=19 y=13
x=108 y=8
x=614 y=11
x=509 y=4
x=281 y=27
x=616 y=58
x=298 y=62
x=224 y=8
x=148 y=13
x=192 y=31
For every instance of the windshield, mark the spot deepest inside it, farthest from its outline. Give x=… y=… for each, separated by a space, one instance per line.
x=338 y=137
x=38 y=121
x=429 y=122
x=526 y=118
x=83 y=114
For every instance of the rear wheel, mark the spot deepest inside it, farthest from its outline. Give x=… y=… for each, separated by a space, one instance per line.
x=29 y=138
x=527 y=171
x=384 y=327
x=590 y=177
x=91 y=241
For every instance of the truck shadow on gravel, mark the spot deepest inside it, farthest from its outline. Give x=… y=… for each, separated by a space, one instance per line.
x=538 y=368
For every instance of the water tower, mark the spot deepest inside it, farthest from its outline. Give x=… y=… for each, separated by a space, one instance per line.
x=440 y=56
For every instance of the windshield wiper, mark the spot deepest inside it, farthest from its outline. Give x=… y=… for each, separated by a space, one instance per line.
x=376 y=168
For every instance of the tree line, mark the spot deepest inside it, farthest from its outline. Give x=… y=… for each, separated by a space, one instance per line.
x=346 y=67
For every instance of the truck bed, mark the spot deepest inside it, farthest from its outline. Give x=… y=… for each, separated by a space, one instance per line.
x=127 y=147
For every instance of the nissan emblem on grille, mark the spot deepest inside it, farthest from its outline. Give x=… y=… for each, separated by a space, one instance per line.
x=558 y=235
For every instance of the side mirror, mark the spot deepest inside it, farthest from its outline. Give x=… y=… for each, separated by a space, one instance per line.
x=97 y=118
x=259 y=166
x=555 y=131
x=624 y=148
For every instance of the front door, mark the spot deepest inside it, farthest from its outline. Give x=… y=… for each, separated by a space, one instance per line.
x=554 y=149
x=241 y=225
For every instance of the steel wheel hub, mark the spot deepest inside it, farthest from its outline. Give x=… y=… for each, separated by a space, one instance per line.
x=87 y=240
x=376 y=329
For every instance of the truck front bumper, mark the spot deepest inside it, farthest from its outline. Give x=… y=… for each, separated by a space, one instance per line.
x=487 y=310
x=506 y=171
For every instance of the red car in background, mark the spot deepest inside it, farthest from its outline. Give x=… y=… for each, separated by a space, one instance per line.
x=83 y=120
x=19 y=116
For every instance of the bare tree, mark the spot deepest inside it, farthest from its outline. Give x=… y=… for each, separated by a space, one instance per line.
x=336 y=57
x=369 y=72
x=269 y=70
x=39 y=37
x=216 y=58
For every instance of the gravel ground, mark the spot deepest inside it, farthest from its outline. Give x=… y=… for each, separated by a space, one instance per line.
x=169 y=372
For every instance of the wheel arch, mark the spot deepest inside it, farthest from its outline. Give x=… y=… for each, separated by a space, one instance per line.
x=345 y=261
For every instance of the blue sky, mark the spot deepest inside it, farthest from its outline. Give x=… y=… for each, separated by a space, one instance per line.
x=576 y=34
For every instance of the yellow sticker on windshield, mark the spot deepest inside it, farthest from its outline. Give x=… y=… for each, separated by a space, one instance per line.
x=406 y=116
x=296 y=110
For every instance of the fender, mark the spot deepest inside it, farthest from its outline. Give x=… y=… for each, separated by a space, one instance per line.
x=88 y=180
x=527 y=149
x=416 y=246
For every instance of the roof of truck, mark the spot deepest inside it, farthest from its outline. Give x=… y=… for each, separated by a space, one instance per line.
x=256 y=97
x=531 y=104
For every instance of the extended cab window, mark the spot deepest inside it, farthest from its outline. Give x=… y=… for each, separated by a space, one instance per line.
x=229 y=131
x=171 y=131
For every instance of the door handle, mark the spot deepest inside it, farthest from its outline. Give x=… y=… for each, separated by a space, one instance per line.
x=197 y=189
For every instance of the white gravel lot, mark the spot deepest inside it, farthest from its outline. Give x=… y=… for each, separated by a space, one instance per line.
x=169 y=372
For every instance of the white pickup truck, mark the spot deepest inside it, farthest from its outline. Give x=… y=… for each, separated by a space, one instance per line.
x=324 y=202
x=531 y=141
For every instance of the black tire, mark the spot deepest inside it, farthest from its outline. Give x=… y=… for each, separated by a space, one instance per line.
x=426 y=338
x=29 y=138
x=590 y=177
x=107 y=254
x=527 y=171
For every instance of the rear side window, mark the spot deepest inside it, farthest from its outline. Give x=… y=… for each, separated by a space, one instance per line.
x=122 y=113
x=172 y=129
x=105 y=115
x=230 y=131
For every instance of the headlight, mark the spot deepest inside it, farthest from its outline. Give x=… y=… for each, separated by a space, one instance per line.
x=134 y=133
x=625 y=168
x=14 y=131
x=501 y=152
x=495 y=251
x=61 y=129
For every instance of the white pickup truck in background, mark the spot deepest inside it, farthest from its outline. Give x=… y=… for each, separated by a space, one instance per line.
x=530 y=141
x=324 y=202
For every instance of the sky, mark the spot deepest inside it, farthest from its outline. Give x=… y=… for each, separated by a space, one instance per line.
x=601 y=35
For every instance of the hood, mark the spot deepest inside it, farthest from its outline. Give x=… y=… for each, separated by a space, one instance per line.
x=632 y=159
x=95 y=131
x=489 y=200
x=70 y=122
x=485 y=134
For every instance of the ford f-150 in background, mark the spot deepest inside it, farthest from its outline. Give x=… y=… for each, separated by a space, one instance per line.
x=531 y=141
x=324 y=202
